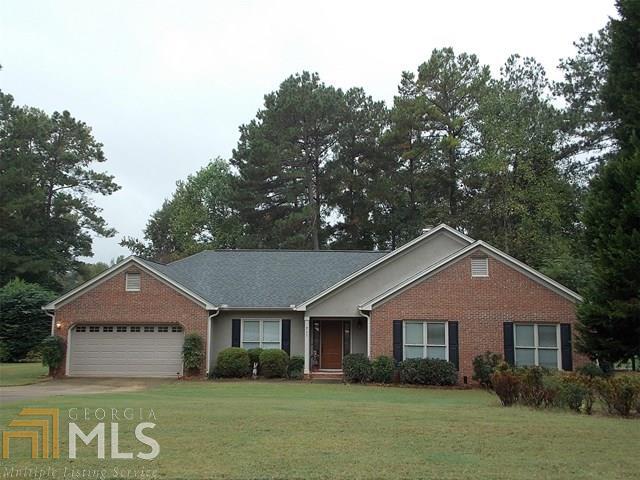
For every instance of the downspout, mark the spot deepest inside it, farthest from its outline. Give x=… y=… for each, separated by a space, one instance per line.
x=53 y=322
x=368 y=317
x=211 y=315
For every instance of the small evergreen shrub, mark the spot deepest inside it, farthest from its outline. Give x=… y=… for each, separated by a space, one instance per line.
x=506 y=384
x=254 y=356
x=232 y=362
x=575 y=394
x=52 y=351
x=532 y=391
x=428 y=371
x=356 y=368
x=619 y=394
x=484 y=366
x=192 y=352
x=382 y=369
x=295 y=369
x=274 y=363
x=591 y=370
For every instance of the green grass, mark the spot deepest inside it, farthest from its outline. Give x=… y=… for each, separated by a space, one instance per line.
x=21 y=373
x=301 y=430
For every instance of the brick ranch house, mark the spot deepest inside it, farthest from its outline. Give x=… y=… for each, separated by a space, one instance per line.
x=442 y=295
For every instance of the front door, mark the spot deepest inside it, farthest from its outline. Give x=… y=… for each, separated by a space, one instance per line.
x=331 y=344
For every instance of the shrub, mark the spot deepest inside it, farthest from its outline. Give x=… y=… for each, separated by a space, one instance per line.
x=296 y=367
x=619 y=394
x=356 y=368
x=4 y=352
x=382 y=369
x=484 y=366
x=274 y=363
x=192 y=352
x=254 y=356
x=428 y=371
x=23 y=324
x=532 y=391
x=506 y=384
x=591 y=370
x=52 y=351
x=232 y=362
x=575 y=394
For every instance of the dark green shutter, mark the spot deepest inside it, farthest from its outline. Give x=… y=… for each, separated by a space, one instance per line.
x=235 y=332
x=453 y=344
x=397 y=340
x=509 y=347
x=286 y=336
x=565 y=345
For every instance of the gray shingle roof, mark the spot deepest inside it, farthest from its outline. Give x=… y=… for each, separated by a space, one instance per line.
x=263 y=278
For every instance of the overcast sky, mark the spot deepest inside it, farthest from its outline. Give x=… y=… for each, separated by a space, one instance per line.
x=165 y=85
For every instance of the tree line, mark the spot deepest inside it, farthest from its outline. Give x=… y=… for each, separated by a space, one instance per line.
x=504 y=158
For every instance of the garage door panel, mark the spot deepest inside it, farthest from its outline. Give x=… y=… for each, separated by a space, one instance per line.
x=130 y=353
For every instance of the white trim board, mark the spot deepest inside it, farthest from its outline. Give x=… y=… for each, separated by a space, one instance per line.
x=303 y=306
x=492 y=251
x=117 y=268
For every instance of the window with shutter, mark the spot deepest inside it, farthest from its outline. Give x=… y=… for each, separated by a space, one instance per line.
x=132 y=282
x=479 y=267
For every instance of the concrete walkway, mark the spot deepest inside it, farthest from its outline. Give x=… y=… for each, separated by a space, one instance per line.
x=77 y=386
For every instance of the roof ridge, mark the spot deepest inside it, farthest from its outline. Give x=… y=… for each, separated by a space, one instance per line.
x=283 y=250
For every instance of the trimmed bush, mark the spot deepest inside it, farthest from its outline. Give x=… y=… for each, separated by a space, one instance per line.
x=506 y=384
x=232 y=362
x=274 y=363
x=619 y=394
x=591 y=370
x=532 y=391
x=575 y=394
x=382 y=369
x=52 y=351
x=254 y=356
x=428 y=371
x=356 y=368
x=192 y=352
x=484 y=366
x=296 y=367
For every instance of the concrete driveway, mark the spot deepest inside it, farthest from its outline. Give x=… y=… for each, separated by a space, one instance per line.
x=77 y=386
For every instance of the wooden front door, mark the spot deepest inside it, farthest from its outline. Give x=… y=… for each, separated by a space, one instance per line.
x=331 y=344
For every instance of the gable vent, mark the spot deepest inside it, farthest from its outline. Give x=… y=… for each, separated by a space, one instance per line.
x=132 y=283
x=479 y=267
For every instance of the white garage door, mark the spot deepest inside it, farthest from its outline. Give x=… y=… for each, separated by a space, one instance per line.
x=126 y=350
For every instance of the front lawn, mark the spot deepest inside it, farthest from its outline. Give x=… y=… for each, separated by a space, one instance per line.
x=21 y=373
x=301 y=430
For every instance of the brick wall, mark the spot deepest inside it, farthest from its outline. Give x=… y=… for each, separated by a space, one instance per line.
x=479 y=304
x=109 y=303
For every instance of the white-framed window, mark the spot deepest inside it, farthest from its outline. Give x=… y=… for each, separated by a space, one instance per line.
x=94 y=328
x=132 y=282
x=121 y=328
x=107 y=329
x=261 y=333
x=163 y=329
x=149 y=328
x=134 y=329
x=537 y=344
x=176 y=328
x=479 y=267
x=426 y=340
x=81 y=328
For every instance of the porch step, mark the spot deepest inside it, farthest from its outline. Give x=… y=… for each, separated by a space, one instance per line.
x=334 y=376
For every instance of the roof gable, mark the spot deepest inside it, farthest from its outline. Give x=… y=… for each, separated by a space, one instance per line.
x=475 y=246
x=115 y=270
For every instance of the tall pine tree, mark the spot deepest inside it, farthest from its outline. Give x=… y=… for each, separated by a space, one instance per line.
x=610 y=316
